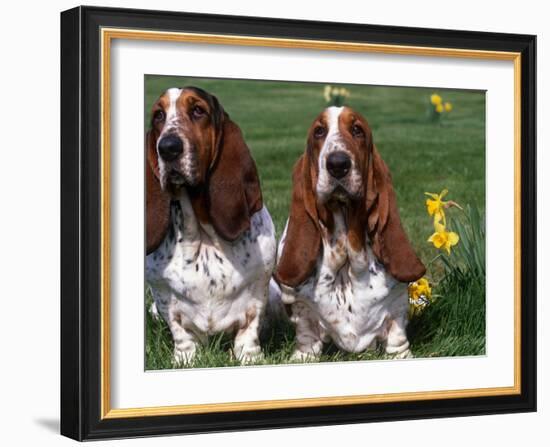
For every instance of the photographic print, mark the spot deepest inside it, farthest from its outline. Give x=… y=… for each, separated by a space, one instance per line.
x=342 y=211
x=291 y=222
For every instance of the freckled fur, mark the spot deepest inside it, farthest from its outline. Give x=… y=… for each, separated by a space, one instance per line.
x=218 y=296
x=347 y=302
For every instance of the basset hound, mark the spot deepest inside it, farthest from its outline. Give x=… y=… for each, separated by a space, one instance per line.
x=211 y=244
x=344 y=258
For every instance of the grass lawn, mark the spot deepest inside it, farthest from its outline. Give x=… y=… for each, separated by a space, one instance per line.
x=422 y=156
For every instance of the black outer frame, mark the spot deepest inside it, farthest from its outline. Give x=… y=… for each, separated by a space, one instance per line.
x=81 y=208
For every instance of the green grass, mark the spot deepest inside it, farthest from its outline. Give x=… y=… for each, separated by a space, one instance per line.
x=422 y=156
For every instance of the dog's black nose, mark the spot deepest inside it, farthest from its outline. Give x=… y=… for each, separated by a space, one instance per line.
x=170 y=147
x=338 y=164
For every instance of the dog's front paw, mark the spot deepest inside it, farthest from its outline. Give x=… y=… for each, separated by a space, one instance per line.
x=304 y=356
x=249 y=356
x=183 y=357
x=406 y=354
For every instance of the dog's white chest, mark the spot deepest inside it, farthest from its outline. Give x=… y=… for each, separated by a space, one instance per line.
x=356 y=310
x=353 y=297
x=207 y=280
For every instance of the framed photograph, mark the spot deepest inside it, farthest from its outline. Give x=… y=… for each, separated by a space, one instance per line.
x=275 y=223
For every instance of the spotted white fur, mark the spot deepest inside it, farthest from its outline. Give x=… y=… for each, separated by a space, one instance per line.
x=350 y=299
x=203 y=285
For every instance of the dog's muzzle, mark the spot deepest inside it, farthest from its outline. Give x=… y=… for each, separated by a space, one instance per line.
x=339 y=182
x=338 y=164
x=170 y=147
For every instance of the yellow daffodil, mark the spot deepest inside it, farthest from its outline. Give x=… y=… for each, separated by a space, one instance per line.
x=439 y=108
x=443 y=239
x=435 y=99
x=436 y=204
x=335 y=91
x=344 y=92
x=420 y=288
x=327 y=91
x=448 y=107
x=420 y=296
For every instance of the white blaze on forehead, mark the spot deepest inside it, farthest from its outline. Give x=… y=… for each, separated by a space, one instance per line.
x=332 y=114
x=333 y=131
x=171 y=116
x=173 y=95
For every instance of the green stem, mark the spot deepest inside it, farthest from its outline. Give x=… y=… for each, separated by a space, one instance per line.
x=431 y=262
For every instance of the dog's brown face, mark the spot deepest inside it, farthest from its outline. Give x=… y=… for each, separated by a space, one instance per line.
x=339 y=141
x=185 y=126
x=192 y=145
x=341 y=170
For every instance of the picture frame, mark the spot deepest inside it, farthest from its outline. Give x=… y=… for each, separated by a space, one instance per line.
x=87 y=34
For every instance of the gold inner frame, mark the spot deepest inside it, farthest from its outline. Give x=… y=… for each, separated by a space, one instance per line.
x=107 y=35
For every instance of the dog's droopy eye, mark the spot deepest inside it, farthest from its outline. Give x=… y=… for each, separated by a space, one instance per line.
x=198 y=112
x=357 y=131
x=159 y=116
x=319 y=132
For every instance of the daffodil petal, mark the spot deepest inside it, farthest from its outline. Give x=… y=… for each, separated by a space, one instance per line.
x=432 y=206
x=453 y=238
x=438 y=240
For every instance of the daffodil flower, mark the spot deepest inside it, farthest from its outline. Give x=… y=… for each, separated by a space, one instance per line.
x=439 y=108
x=436 y=204
x=420 y=296
x=435 y=99
x=448 y=107
x=443 y=239
x=420 y=288
x=328 y=89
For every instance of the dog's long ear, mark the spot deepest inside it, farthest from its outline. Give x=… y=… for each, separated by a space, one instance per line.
x=157 y=202
x=389 y=241
x=234 y=193
x=303 y=238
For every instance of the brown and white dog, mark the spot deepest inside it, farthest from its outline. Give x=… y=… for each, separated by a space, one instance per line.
x=344 y=258
x=210 y=241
